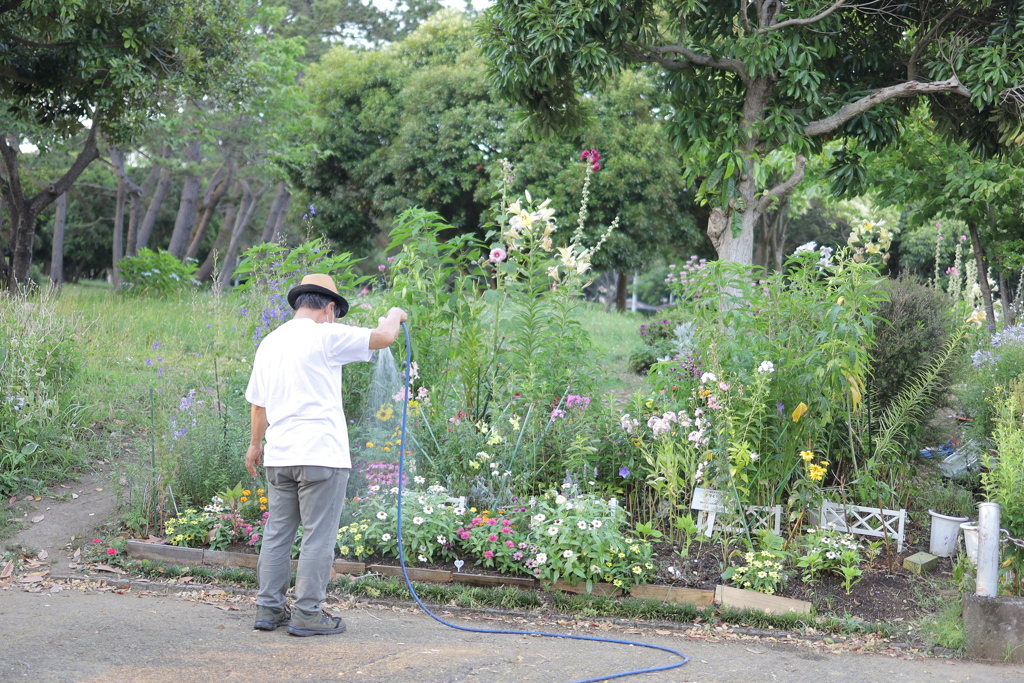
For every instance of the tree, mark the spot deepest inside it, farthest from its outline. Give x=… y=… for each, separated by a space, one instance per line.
x=930 y=176
x=97 y=64
x=748 y=79
x=415 y=124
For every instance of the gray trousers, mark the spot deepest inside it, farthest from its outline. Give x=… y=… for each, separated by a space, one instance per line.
x=313 y=497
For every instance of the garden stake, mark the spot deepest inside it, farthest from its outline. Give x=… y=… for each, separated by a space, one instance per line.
x=152 y=453
x=412 y=591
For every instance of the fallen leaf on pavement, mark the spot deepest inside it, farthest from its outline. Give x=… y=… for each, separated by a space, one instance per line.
x=99 y=489
x=78 y=554
x=74 y=495
x=185 y=579
x=38 y=518
x=756 y=652
x=12 y=500
x=43 y=555
x=106 y=568
x=663 y=633
x=29 y=579
x=7 y=570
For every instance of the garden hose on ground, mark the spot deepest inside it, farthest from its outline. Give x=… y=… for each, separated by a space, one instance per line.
x=401 y=556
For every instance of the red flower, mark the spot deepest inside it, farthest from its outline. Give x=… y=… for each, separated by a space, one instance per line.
x=96 y=540
x=111 y=551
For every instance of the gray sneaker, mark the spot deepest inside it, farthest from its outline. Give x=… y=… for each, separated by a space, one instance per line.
x=268 y=618
x=314 y=624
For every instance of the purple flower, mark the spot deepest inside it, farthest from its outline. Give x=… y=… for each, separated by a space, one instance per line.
x=209 y=326
x=156 y=345
x=312 y=210
x=149 y=361
x=159 y=360
x=781 y=407
x=159 y=372
x=623 y=471
x=557 y=413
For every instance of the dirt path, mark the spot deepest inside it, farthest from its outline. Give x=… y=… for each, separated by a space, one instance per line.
x=80 y=635
x=66 y=514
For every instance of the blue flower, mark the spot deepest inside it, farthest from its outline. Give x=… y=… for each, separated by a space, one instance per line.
x=623 y=471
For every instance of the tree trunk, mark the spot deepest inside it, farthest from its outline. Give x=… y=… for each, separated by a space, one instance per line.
x=162 y=186
x=1004 y=296
x=280 y=204
x=281 y=216
x=215 y=191
x=57 y=253
x=621 y=290
x=223 y=237
x=3 y=253
x=241 y=222
x=118 y=241
x=135 y=210
x=979 y=259
x=24 y=209
x=187 y=206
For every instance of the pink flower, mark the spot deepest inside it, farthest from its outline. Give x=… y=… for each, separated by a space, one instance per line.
x=390 y=259
x=510 y=544
x=492 y=521
x=96 y=540
x=506 y=522
x=492 y=538
x=506 y=530
x=382 y=267
x=111 y=551
x=488 y=554
x=595 y=167
x=498 y=255
x=464 y=535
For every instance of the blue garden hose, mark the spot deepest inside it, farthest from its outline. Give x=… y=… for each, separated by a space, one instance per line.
x=401 y=556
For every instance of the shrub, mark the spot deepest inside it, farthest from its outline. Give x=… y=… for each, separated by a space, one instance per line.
x=915 y=323
x=156 y=273
x=992 y=370
x=1004 y=480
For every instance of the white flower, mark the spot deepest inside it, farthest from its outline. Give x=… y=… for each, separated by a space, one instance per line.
x=567 y=554
x=539 y=518
x=810 y=246
x=596 y=524
x=569 y=506
x=708 y=377
x=422 y=500
x=393 y=490
x=421 y=558
x=459 y=511
x=565 y=486
x=542 y=558
x=374 y=488
x=613 y=502
x=435 y=489
x=552 y=530
x=754 y=456
x=581 y=524
x=483 y=456
x=385 y=537
x=428 y=510
x=382 y=515
x=441 y=539
x=766 y=367
x=559 y=499
x=417 y=520
x=419 y=480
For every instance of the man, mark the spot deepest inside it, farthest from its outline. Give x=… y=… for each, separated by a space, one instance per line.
x=295 y=392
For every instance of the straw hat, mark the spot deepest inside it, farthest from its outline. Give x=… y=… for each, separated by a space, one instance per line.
x=319 y=283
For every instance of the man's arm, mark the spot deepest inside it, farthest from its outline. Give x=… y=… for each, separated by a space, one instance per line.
x=258 y=427
x=387 y=329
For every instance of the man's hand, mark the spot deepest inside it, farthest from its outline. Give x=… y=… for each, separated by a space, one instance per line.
x=252 y=458
x=388 y=328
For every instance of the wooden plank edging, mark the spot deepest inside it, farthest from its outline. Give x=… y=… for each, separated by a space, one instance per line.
x=738 y=598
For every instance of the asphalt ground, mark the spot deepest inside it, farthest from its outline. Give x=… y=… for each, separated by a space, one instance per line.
x=126 y=636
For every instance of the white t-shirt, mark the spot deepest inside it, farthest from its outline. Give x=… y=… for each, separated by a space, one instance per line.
x=296 y=376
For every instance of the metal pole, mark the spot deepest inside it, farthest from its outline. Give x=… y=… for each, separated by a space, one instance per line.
x=987 y=583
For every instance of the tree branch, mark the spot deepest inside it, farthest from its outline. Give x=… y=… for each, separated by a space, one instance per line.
x=9 y=153
x=31 y=43
x=804 y=20
x=898 y=91
x=117 y=160
x=786 y=187
x=926 y=40
x=89 y=152
x=655 y=54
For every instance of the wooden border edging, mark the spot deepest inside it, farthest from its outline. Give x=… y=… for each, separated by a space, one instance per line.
x=490 y=580
x=415 y=574
x=216 y=558
x=680 y=596
x=608 y=590
x=738 y=598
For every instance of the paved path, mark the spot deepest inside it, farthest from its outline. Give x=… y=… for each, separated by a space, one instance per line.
x=90 y=636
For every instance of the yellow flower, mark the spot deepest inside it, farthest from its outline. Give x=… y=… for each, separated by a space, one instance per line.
x=816 y=472
x=343 y=550
x=262 y=508
x=263 y=500
x=260 y=491
x=472 y=509
x=247 y=492
x=243 y=499
x=807 y=455
x=384 y=413
x=799 y=412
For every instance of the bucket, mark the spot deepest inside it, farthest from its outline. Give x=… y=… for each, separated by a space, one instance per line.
x=970 y=541
x=945 y=531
